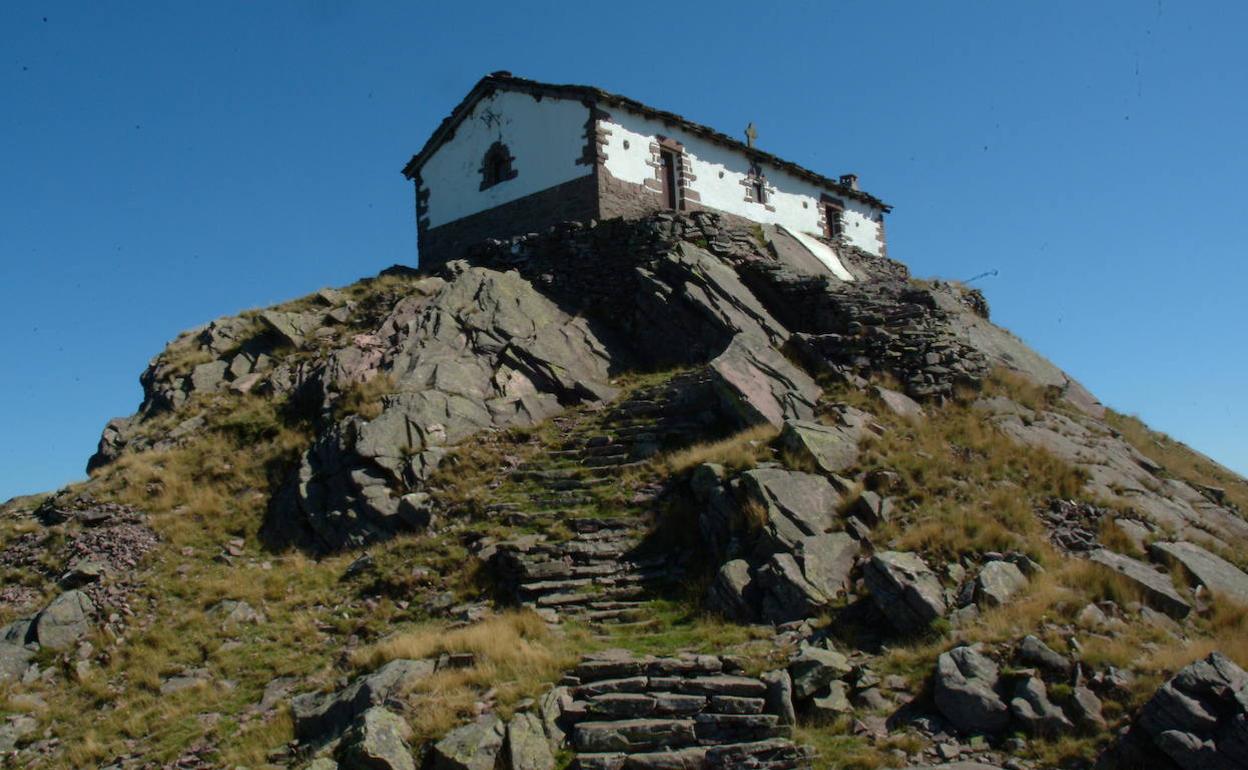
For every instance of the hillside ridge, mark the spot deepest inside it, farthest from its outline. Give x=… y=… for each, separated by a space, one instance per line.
x=626 y=494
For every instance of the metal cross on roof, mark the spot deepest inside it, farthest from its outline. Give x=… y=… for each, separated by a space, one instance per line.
x=751 y=135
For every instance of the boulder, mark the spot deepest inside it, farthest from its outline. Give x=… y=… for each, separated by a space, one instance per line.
x=833 y=702
x=15 y=730
x=871 y=509
x=779 y=697
x=377 y=740
x=758 y=385
x=786 y=593
x=230 y=612
x=1034 y=711
x=1199 y=719
x=1205 y=568
x=827 y=561
x=1033 y=652
x=905 y=590
x=825 y=448
x=997 y=582
x=965 y=691
x=795 y=504
x=1156 y=587
x=1086 y=708
x=551 y=706
x=16 y=652
x=474 y=746
x=527 y=747
x=321 y=717
x=731 y=594
x=898 y=403
x=63 y=622
x=814 y=668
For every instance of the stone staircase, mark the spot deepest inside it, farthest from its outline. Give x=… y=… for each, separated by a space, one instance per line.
x=595 y=576
x=585 y=558
x=595 y=447
x=622 y=712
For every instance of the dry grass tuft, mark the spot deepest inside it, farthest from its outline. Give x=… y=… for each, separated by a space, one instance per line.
x=740 y=450
x=365 y=398
x=515 y=655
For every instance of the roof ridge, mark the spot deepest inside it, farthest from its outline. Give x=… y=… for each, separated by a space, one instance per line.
x=504 y=79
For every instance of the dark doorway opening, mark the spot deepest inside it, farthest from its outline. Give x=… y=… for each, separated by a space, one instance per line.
x=670 y=179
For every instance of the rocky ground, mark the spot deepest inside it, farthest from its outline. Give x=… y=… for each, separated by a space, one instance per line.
x=626 y=495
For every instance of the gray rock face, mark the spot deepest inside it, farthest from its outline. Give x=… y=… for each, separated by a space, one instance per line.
x=827 y=561
x=1116 y=470
x=474 y=746
x=321 y=717
x=898 y=403
x=527 y=747
x=796 y=505
x=15 y=654
x=834 y=701
x=814 y=668
x=997 y=583
x=827 y=448
x=779 y=696
x=786 y=593
x=905 y=590
x=759 y=385
x=1199 y=719
x=63 y=622
x=1157 y=587
x=965 y=691
x=731 y=594
x=377 y=741
x=1205 y=568
x=484 y=350
x=16 y=730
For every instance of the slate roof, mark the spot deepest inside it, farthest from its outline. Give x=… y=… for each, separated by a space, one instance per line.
x=496 y=81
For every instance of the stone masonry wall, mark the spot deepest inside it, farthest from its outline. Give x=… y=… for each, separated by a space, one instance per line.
x=576 y=200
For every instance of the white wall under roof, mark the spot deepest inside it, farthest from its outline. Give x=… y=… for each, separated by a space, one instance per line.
x=546 y=137
x=718 y=173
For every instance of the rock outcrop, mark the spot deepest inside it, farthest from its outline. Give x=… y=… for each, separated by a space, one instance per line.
x=1198 y=720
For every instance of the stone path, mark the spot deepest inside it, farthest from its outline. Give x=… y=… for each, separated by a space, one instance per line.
x=623 y=712
x=587 y=558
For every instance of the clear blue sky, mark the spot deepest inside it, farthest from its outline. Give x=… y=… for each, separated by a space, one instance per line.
x=163 y=164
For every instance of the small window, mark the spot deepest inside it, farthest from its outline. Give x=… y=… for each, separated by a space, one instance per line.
x=496 y=166
x=834 y=227
x=760 y=190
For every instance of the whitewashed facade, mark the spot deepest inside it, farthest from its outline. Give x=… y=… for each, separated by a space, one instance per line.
x=517 y=156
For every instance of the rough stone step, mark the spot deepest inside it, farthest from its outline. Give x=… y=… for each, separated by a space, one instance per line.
x=612 y=461
x=606 y=450
x=561 y=600
x=634 y=735
x=733 y=728
x=770 y=754
x=635 y=705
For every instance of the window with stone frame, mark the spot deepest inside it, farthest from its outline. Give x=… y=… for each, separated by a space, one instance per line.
x=833 y=225
x=758 y=185
x=496 y=166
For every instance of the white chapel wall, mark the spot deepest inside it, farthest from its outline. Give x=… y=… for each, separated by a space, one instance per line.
x=718 y=175
x=546 y=137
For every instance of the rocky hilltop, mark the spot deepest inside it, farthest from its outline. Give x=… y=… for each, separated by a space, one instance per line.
x=641 y=494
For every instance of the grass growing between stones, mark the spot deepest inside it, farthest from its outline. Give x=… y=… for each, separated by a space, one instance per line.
x=739 y=451
x=1179 y=459
x=514 y=656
